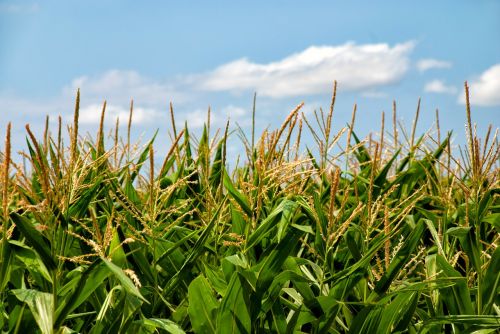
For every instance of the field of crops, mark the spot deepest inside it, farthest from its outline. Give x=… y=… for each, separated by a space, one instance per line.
x=389 y=233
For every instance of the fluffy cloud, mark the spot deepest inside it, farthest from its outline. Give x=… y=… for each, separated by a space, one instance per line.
x=119 y=86
x=485 y=90
x=91 y=114
x=218 y=117
x=438 y=86
x=364 y=67
x=427 y=64
x=151 y=99
x=312 y=71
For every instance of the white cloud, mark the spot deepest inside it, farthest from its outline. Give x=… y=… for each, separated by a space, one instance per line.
x=91 y=114
x=438 y=86
x=119 y=86
x=151 y=98
x=313 y=70
x=427 y=64
x=364 y=67
x=218 y=117
x=485 y=91
x=196 y=118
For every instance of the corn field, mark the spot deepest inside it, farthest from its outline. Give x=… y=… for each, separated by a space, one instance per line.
x=391 y=233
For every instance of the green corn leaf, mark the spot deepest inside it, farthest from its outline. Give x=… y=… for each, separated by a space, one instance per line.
x=485 y=204
x=215 y=276
x=401 y=258
x=108 y=299
x=187 y=146
x=238 y=223
x=478 y=323
x=292 y=323
x=195 y=251
x=35 y=238
x=279 y=317
x=142 y=158
x=467 y=238
x=282 y=279
x=360 y=265
x=6 y=266
x=493 y=219
x=165 y=324
x=217 y=170
x=381 y=178
x=234 y=312
x=125 y=281
x=267 y=225
x=203 y=148
x=362 y=153
x=136 y=255
x=457 y=297
x=242 y=201
x=271 y=265
x=491 y=282
x=352 y=243
x=331 y=308
x=41 y=305
x=399 y=313
x=367 y=321
x=434 y=233
x=303 y=288
x=289 y=209
x=32 y=262
x=91 y=278
x=202 y=306
x=173 y=247
x=78 y=209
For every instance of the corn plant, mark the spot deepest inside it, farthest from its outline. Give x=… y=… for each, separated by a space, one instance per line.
x=389 y=233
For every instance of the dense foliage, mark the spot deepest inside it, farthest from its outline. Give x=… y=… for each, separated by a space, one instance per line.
x=387 y=234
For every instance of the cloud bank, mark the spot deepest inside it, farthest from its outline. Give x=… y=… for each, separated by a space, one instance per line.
x=312 y=71
x=91 y=114
x=120 y=86
x=218 y=118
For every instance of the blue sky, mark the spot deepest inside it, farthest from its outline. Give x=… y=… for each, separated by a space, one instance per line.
x=218 y=53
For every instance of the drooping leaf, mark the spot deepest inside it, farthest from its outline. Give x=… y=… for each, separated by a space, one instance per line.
x=36 y=239
x=125 y=281
x=41 y=305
